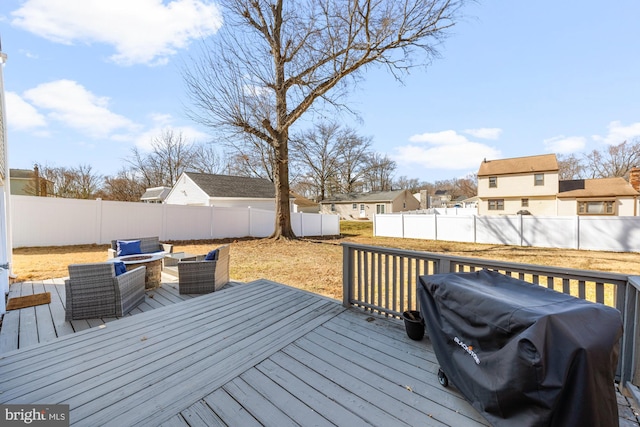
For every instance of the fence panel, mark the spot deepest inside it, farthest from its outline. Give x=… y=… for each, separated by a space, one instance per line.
x=125 y=219
x=619 y=234
x=262 y=222
x=389 y=224
x=455 y=228
x=47 y=221
x=187 y=222
x=503 y=230
x=556 y=232
x=31 y=220
x=419 y=226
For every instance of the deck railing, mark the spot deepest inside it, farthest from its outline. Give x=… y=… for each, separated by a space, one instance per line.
x=383 y=280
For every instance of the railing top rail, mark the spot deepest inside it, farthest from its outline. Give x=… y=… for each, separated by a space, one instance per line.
x=502 y=265
x=635 y=282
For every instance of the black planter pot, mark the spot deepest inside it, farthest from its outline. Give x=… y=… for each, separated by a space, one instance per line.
x=413 y=324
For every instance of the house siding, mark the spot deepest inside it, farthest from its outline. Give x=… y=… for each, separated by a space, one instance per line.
x=405 y=201
x=625 y=206
x=186 y=192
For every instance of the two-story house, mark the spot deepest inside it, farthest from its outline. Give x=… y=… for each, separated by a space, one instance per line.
x=531 y=185
x=508 y=186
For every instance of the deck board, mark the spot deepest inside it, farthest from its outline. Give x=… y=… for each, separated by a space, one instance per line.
x=251 y=354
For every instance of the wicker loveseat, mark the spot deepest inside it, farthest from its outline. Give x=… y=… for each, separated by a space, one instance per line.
x=93 y=290
x=147 y=245
x=199 y=276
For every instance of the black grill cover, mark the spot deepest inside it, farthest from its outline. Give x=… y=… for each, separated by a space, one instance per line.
x=521 y=354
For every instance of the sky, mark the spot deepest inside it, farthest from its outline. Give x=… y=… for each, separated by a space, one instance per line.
x=87 y=81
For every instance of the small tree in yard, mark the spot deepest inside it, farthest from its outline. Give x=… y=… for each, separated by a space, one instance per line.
x=273 y=61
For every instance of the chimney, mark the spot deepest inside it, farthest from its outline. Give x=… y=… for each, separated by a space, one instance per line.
x=634 y=178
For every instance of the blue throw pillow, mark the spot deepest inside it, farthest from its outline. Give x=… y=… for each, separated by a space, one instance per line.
x=128 y=247
x=212 y=255
x=120 y=267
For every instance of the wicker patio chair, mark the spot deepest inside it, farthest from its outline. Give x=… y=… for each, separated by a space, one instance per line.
x=93 y=290
x=147 y=245
x=198 y=276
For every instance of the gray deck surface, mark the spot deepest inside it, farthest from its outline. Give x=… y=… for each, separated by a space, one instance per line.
x=252 y=354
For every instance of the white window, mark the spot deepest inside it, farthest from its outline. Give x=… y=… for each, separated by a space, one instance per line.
x=493 y=182
x=354 y=206
x=496 y=204
x=596 y=207
x=538 y=179
x=379 y=209
x=333 y=207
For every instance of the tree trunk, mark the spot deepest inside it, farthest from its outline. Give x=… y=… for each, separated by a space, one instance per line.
x=283 y=228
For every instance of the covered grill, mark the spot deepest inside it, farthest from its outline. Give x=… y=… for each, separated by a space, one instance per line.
x=522 y=354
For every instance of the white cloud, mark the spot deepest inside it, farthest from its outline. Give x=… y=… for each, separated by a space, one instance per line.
x=444 y=150
x=190 y=135
x=439 y=138
x=21 y=115
x=565 y=144
x=141 y=31
x=618 y=133
x=485 y=133
x=71 y=104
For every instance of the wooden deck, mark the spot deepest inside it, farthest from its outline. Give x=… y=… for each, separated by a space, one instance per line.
x=33 y=325
x=252 y=354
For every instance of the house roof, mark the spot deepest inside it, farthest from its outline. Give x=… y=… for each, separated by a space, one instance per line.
x=541 y=163
x=601 y=187
x=21 y=173
x=302 y=201
x=233 y=186
x=155 y=193
x=380 y=196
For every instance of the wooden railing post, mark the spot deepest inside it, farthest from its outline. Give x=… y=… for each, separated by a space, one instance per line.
x=629 y=348
x=347 y=275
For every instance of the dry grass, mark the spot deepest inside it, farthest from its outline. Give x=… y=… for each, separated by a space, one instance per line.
x=316 y=265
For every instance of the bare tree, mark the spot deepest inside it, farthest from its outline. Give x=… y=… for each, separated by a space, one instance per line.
x=406 y=183
x=253 y=158
x=325 y=151
x=570 y=167
x=87 y=182
x=379 y=172
x=467 y=186
x=206 y=159
x=615 y=160
x=273 y=61
x=74 y=183
x=124 y=186
x=355 y=152
x=170 y=155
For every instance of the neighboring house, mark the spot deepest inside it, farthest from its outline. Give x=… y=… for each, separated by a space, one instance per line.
x=604 y=196
x=155 y=194
x=27 y=182
x=471 y=202
x=364 y=206
x=302 y=204
x=531 y=185
x=440 y=199
x=201 y=189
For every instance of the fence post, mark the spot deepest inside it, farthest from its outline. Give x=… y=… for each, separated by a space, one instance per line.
x=97 y=227
x=628 y=351
x=347 y=274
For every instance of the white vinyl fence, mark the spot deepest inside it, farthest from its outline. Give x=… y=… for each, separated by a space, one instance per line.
x=618 y=234
x=46 y=221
